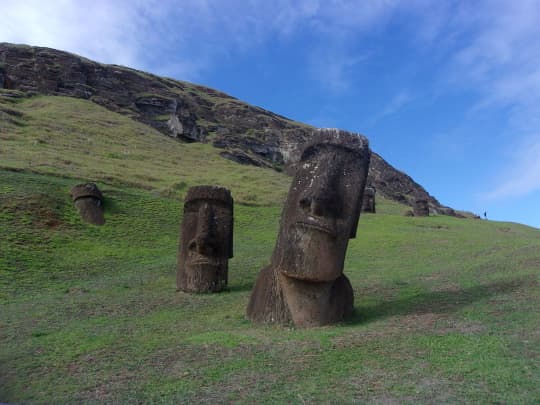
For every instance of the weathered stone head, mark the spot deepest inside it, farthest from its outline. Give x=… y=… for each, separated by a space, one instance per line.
x=304 y=283
x=368 y=204
x=206 y=242
x=89 y=202
x=421 y=207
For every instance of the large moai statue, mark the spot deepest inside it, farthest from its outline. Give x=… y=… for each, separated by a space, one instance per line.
x=304 y=284
x=89 y=202
x=206 y=241
x=421 y=207
x=368 y=203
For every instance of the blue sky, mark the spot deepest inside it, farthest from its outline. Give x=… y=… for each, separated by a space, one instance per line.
x=446 y=91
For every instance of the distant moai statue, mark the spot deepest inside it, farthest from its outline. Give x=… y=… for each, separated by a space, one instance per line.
x=206 y=241
x=305 y=284
x=89 y=202
x=368 y=203
x=421 y=207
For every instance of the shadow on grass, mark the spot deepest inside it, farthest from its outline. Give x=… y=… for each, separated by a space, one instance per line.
x=111 y=206
x=438 y=302
x=240 y=287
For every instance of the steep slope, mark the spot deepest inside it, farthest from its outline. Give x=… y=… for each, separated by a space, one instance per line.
x=246 y=134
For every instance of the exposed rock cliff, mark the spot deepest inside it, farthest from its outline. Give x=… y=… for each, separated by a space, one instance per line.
x=189 y=112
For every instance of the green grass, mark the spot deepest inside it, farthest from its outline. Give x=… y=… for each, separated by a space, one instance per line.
x=446 y=309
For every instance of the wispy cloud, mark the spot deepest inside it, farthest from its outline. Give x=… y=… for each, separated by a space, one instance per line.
x=522 y=177
x=396 y=103
x=502 y=63
x=502 y=57
x=333 y=69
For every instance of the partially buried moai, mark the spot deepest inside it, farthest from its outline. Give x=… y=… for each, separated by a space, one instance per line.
x=304 y=284
x=368 y=203
x=89 y=202
x=421 y=207
x=206 y=241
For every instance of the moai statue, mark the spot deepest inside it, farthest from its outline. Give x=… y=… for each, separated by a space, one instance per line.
x=89 y=202
x=421 y=208
x=304 y=284
x=368 y=203
x=206 y=241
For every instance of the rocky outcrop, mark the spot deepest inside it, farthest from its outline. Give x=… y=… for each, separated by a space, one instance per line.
x=399 y=186
x=191 y=113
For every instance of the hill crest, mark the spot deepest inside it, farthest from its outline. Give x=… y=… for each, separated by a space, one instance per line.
x=191 y=113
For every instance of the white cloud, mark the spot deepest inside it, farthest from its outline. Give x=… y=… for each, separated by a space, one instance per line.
x=101 y=30
x=193 y=35
x=139 y=34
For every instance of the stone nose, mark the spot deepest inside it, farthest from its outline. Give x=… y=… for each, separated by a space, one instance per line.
x=204 y=241
x=322 y=199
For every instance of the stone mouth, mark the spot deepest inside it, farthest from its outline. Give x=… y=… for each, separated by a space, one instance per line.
x=311 y=279
x=318 y=224
x=196 y=259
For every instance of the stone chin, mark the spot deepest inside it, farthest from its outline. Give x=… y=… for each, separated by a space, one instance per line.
x=312 y=252
x=203 y=274
x=317 y=304
x=203 y=277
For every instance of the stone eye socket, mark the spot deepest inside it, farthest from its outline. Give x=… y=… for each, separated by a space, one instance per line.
x=305 y=204
x=195 y=205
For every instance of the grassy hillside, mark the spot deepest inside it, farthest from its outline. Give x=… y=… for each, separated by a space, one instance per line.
x=446 y=308
x=65 y=136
